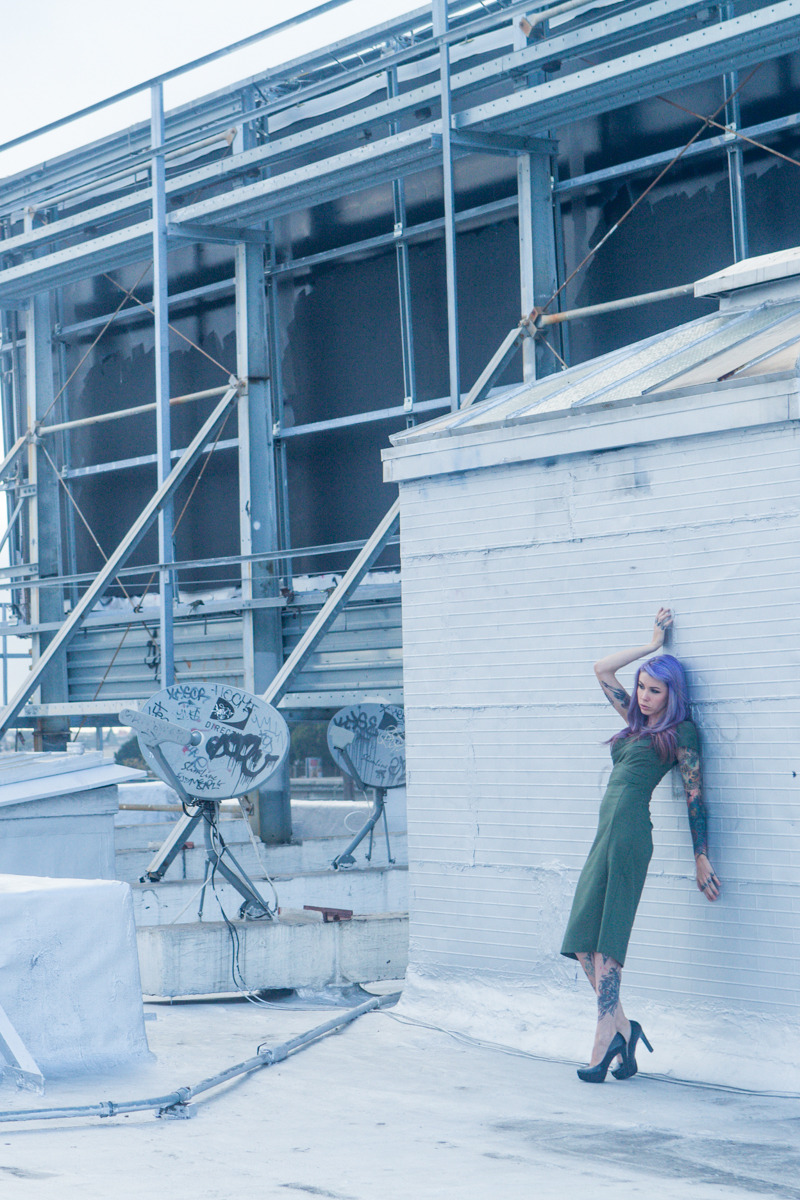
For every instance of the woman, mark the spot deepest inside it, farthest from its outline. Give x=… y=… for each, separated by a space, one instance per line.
x=658 y=734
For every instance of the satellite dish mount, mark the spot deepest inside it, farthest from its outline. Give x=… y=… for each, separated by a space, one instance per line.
x=209 y=742
x=368 y=742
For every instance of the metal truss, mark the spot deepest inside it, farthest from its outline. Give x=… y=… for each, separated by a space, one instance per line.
x=415 y=94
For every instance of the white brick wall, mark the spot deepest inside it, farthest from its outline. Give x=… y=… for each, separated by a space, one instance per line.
x=515 y=579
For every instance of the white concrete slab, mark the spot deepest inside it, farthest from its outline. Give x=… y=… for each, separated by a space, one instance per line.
x=294 y=951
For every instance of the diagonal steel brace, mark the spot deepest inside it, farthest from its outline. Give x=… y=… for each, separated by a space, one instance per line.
x=334 y=604
x=121 y=554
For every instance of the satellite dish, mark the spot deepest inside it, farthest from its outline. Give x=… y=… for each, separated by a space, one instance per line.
x=234 y=741
x=368 y=741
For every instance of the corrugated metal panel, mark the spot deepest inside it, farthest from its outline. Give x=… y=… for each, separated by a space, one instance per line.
x=529 y=573
x=360 y=656
x=700 y=352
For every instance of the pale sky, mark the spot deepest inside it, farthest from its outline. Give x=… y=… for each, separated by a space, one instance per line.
x=62 y=55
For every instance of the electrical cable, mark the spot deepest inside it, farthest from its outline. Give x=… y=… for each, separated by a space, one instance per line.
x=732 y=131
x=149 y=583
x=172 y=328
x=706 y=121
x=239 y=982
x=516 y=1052
x=65 y=385
x=261 y=862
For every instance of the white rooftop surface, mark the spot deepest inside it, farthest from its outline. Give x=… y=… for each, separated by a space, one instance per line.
x=387 y=1110
x=28 y=777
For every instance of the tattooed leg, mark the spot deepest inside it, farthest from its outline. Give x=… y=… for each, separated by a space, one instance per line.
x=587 y=962
x=610 y=1017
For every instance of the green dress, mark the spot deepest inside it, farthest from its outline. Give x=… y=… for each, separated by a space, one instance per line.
x=613 y=876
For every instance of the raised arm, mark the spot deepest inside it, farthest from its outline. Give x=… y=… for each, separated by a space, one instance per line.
x=689 y=767
x=607 y=667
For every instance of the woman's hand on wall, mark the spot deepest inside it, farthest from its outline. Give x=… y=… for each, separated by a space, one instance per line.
x=664 y=619
x=707 y=881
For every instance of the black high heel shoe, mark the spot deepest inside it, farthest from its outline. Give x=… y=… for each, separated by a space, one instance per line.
x=597 y=1073
x=629 y=1066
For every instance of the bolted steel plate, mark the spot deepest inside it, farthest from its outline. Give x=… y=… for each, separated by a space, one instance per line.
x=244 y=739
x=368 y=741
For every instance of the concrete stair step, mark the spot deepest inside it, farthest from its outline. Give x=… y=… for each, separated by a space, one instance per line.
x=315 y=855
x=374 y=890
x=151 y=835
x=295 y=951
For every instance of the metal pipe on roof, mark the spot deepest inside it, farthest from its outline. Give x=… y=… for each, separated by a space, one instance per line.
x=98 y=418
x=542 y=320
x=175 y=1103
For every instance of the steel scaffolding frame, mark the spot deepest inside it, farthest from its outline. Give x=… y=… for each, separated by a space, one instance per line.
x=485 y=83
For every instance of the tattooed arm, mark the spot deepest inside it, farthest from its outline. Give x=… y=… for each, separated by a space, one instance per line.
x=607 y=667
x=689 y=767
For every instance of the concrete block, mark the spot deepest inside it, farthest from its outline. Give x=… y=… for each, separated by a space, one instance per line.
x=69 y=977
x=180 y=960
x=377 y=890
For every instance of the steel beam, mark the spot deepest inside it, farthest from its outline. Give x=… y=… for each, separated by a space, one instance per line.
x=166 y=549
x=537 y=254
x=364 y=167
x=733 y=43
x=141 y=460
x=125 y=548
x=765 y=33
x=403 y=274
x=502 y=356
x=262 y=633
x=440 y=28
x=733 y=119
x=146 y=569
x=44 y=513
x=586 y=40
x=333 y=605
x=107 y=253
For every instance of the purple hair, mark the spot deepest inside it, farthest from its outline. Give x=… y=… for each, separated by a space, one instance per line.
x=667 y=670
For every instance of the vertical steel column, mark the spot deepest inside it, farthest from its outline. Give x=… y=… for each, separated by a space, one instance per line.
x=19 y=422
x=440 y=26
x=7 y=408
x=537 y=254
x=70 y=550
x=276 y=390
x=262 y=631
x=166 y=553
x=403 y=273
x=730 y=83
x=44 y=515
x=538 y=269
x=276 y=383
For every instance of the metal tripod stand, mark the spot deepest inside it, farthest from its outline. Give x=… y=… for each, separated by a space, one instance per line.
x=346 y=859
x=195 y=811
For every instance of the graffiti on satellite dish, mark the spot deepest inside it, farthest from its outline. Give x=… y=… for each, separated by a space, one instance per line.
x=244 y=739
x=368 y=741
